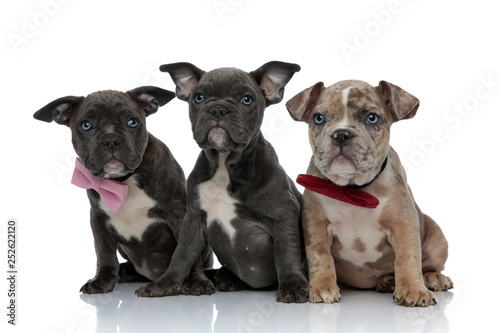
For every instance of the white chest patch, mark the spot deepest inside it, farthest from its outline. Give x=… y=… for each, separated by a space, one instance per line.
x=131 y=220
x=216 y=201
x=356 y=228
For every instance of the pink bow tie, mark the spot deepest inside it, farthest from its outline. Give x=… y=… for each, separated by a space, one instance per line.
x=342 y=193
x=112 y=192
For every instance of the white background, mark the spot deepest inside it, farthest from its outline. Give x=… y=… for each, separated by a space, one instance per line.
x=442 y=52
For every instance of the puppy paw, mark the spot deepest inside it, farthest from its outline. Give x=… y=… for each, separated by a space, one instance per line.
x=293 y=292
x=99 y=285
x=414 y=295
x=198 y=286
x=437 y=281
x=225 y=280
x=128 y=274
x=324 y=293
x=386 y=284
x=158 y=289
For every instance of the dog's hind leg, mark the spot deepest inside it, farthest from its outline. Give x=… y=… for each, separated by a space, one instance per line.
x=225 y=280
x=386 y=284
x=434 y=255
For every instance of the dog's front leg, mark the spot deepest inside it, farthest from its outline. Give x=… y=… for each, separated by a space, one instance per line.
x=107 y=263
x=293 y=286
x=318 y=242
x=187 y=254
x=404 y=237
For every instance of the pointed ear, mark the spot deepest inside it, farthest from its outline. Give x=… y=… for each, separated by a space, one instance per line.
x=150 y=98
x=59 y=110
x=185 y=76
x=301 y=105
x=272 y=78
x=403 y=105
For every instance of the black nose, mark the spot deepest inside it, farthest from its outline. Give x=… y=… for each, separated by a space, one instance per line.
x=218 y=112
x=342 y=137
x=110 y=142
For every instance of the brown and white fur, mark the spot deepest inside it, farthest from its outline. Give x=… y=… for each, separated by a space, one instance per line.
x=393 y=247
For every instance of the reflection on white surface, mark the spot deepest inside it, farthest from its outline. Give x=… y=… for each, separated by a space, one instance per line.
x=257 y=311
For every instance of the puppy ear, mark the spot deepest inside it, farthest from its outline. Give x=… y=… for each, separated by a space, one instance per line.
x=272 y=78
x=185 y=76
x=151 y=98
x=301 y=105
x=404 y=105
x=59 y=110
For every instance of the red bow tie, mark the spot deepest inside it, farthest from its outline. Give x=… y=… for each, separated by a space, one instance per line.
x=343 y=193
x=112 y=192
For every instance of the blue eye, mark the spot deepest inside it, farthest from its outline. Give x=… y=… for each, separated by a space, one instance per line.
x=372 y=119
x=247 y=100
x=198 y=98
x=319 y=119
x=86 y=125
x=132 y=123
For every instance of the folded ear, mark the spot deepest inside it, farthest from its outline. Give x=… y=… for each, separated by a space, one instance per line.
x=59 y=110
x=185 y=76
x=272 y=78
x=301 y=105
x=151 y=98
x=403 y=104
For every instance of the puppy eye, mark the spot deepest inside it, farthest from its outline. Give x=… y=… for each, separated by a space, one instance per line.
x=86 y=125
x=319 y=119
x=247 y=100
x=198 y=98
x=132 y=123
x=372 y=119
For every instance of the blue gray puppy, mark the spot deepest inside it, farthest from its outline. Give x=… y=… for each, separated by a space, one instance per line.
x=110 y=137
x=240 y=200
